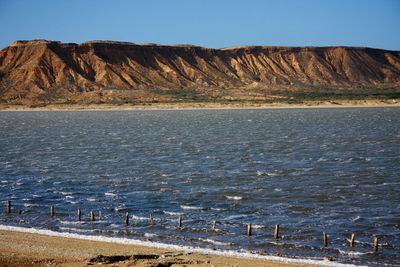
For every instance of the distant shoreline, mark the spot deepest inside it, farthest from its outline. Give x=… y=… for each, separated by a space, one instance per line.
x=199 y=105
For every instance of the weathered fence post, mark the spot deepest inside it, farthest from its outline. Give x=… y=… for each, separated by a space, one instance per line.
x=325 y=239
x=127 y=218
x=180 y=221
x=100 y=215
x=92 y=216
x=8 y=206
x=352 y=239
x=376 y=244
x=249 y=229
x=151 y=220
x=276 y=232
x=52 y=211
x=79 y=214
x=213 y=224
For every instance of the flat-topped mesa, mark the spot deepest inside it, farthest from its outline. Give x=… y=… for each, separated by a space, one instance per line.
x=48 y=70
x=33 y=42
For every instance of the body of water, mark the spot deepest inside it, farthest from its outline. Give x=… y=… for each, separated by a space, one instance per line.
x=308 y=170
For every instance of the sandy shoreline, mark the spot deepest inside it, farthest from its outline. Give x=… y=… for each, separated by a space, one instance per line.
x=32 y=249
x=196 y=106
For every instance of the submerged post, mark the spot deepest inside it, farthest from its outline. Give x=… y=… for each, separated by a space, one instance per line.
x=100 y=215
x=127 y=218
x=8 y=206
x=180 y=221
x=276 y=232
x=249 y=229
x=79 y=214
x=213 y=224
x=52 y=211
x=325 y=239
x=352 y=239
x=92 y=216
x=376 y=244
x=151 y=220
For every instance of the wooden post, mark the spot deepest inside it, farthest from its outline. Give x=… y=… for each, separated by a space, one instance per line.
x=353 y=236
x=151 y=220
x=100 y=215
x=180 y=221
x=19 y=211
x=92 y=216
x=376 y=244
x=127 y=218
x=325 y=239
x=213 y=224
x=79 y=214
x=52 y=211
x=276 y=232
x=249 y=229
x=8 y=206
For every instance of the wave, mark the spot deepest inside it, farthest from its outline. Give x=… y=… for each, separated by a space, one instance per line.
x=353 y=253
x=270 y=174
x=139 y=218
x=190 y=249
x=191 y=207
x=110 y=194
x=215 y=242
x=234 y=198
x=30 y=205
x=173 y=213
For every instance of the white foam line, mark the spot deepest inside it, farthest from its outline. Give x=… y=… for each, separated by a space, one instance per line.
x=126 y=241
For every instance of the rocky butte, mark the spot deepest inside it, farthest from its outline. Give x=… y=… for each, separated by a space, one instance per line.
x=50 y=71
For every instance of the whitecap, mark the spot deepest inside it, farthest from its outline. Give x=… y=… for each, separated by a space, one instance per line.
x=219 y=209
x=234 y=197
x=110 y=194
x=215 y=242
x=353 y=253
x=139 y=218
x=173 y=213
x=191 y=207
x=30 y=205
x=91 y=199
x=149 y=235
x=235 y=217
x=355 y=219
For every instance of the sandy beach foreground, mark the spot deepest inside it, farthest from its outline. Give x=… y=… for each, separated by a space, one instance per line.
x=31 y=249
x=201 y=105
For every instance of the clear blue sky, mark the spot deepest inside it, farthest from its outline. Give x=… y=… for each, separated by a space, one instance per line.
x=210 y=23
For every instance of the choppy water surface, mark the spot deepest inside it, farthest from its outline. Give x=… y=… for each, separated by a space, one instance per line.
x=309 y=170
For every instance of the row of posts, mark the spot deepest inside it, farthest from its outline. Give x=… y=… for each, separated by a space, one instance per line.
x=213 y=224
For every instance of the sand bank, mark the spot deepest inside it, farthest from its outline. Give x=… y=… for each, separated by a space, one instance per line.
x=24 y=248
x=200 y=105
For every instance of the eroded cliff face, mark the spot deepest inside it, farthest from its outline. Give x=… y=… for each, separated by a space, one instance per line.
x=40 y=70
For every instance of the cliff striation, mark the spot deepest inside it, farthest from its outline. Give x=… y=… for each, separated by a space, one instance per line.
x=49 y=71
